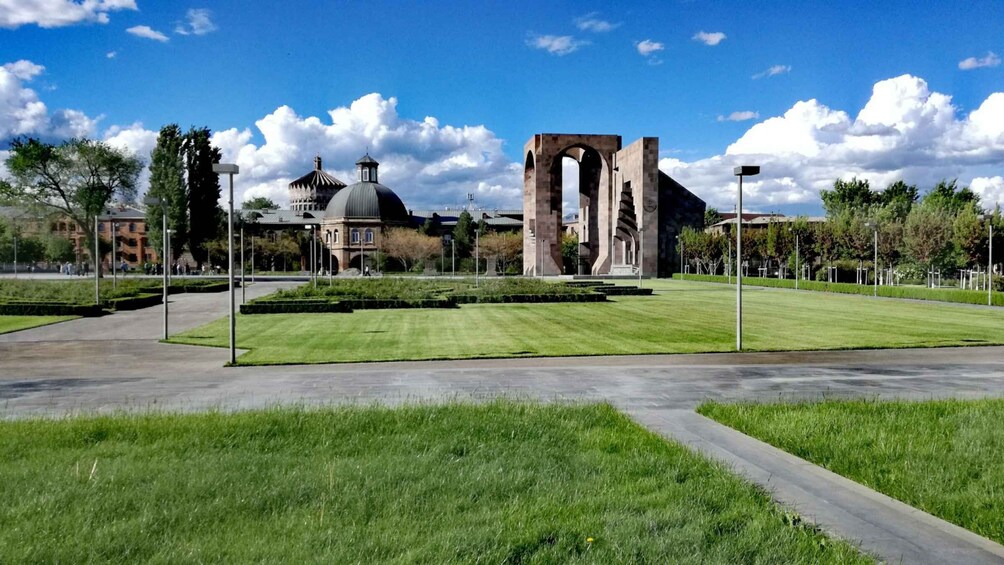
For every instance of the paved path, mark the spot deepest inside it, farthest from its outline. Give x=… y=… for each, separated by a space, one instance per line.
x=115 y=362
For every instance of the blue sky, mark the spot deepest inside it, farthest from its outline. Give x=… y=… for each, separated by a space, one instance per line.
x=445 y=94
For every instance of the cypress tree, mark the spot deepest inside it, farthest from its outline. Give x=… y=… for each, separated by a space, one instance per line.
x=167 y=182
x=205 y=215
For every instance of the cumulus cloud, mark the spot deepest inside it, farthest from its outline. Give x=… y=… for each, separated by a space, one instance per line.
x=23 y=113
x=773 y=71
x=592 y=22
x=739 y=116
x=712 y=38
x=58 y=13
x=904 y=131
x=556 y=44
x=427 y=164
x=647 y=47
x=991 y=60
x=147 y=32
x=198 y=21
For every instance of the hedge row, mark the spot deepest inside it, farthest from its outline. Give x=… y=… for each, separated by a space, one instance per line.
x=527 y=298
x=49 y=309
x=293 y=307
x=913 y=292
x=135 y=302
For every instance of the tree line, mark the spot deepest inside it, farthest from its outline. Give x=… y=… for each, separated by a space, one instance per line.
x=943 y=231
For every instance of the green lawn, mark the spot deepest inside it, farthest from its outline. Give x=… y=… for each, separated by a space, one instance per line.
x=683 y=317
x=497 y=483
x=944 y=457
x=15 y=323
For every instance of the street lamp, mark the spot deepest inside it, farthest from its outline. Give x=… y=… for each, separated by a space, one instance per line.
x=243 y=287
x=155 y=201
x=97 y=264
x=990 y=258
x=231 y=170
x=310 y=269
x=748 y=171
x=874 y=227
x=115 y=272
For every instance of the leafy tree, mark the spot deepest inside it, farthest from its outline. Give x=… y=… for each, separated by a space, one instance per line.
x=206 y=219
x=949 y=197
x=927 y=234
x=463 y=234
x=76 y=178
x=58 y=249
x=569 y=252
x=167 y=182
x=853 y=194
x=431 y=226
x=506 y=247
x=711 y=217
x=409 y=246
x=898 y=199
x=259 y=203
x=970 y=236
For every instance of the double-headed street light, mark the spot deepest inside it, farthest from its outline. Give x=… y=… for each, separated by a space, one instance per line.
x=231 y=170
x=743 y=171
x=990 y=258
x=155 y=201
x=874 y=227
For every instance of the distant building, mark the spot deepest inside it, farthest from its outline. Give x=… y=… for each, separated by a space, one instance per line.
x=757 y=221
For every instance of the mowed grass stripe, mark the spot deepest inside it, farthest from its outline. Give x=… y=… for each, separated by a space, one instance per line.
x=682 y=317
x=503 y=482
x=944 y=456
x=18 y=323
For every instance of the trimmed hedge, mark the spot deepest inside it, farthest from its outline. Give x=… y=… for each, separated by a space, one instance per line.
x=912 y=292
x=135 y=302
x=527 y=298
x=49 y=309
x=202 y=286
x=294 y=307
x=384 y=303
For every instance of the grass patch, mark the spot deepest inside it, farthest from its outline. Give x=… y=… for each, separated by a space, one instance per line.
x=681 y=317
x=406 y=289
x=81 y=291
x=498 y=483
x=16 y=323
x=944 y=457
x=914 y=292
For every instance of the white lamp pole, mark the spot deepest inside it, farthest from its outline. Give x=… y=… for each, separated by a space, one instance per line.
x=477 y=257
x=874 y=227
x=745 y=170
x=990 y=258
x=114 y=262
x=231 y=170
x=97 y=264
x=243 y=292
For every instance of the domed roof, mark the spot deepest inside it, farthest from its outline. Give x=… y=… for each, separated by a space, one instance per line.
x=317 y=178
x=367 y=200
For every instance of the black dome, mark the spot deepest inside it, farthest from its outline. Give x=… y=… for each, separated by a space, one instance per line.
x=367 y=200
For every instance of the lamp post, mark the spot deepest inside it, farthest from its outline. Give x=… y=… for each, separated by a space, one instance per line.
x=97 y=264
x=748 y=171
x=874 y=227
x=154 y=201
x=243 y=292
x=231 y=170
x=115 y=272
x=15 y=255
x=310 y=269
x=990 y=258
x=678 y=238
x=477 y=256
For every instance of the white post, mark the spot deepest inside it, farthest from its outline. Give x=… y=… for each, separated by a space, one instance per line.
x=243 y=292
x=739 y=269
x=97 y=264
x=477 y=257
x=230 y=271
x=113 y=227
x=163 y=261
x=796 y=262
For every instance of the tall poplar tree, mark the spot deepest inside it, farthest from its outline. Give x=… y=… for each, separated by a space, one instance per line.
x=167 y=182
x=205 y=215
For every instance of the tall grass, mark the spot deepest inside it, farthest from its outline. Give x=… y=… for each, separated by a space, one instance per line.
x=944 y=457
x=500 y=483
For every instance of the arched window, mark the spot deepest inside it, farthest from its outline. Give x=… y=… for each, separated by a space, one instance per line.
x=369 y=236
x=355 y=236
x=334 y=238
x=101 y=226
x=366 y=174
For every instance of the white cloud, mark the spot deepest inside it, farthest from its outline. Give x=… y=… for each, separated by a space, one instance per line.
x=904 y=131
x=991 y=60
x=426 y=163
x=58 y=13
x=23 y=113
x=198 y=21
x=773 y=71
x=111 y=54
x=713 y=38
x=739 y=116
x=590 y=22
x=647 y=47
x=556 y=44
x=147 y=32
x=24 y=69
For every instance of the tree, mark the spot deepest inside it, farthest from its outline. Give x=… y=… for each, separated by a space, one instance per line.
x=167 y=182
x=431 y=225
x=506 y=247
x=711 y=217
x=970 y=236
x=949 y=197
x=898 y=199
x=852 y=194
x=206 y=218
x=76 y=178
x=569 y=252
x=463 y=234
x=58 y=249
x=926 y=234
x=260 y=203
x=409 y=246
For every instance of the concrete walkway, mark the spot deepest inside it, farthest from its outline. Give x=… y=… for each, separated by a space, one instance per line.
x=115 y=363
